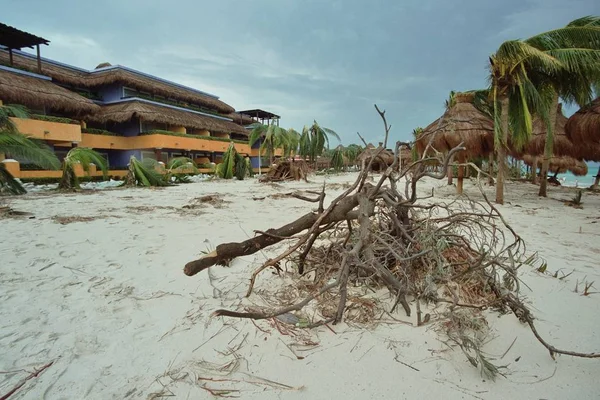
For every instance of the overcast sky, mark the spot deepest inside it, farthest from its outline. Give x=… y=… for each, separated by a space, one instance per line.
x=324 y=60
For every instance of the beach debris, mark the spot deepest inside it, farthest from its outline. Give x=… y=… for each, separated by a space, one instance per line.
x=214 y=199
x=7 y=212
x=34 y=374
x=459 y=258
x=64 y=220
x=294 y=170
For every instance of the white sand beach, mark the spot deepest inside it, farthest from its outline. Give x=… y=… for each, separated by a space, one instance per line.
x=105 y=299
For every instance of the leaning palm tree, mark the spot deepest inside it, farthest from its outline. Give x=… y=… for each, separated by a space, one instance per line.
x=514 y=69
x=314 y=140
x=337 y=158
x=272 y=137
x=290 y=145
x=80 y=156
x=15 y=144
x=178 y=169
x=144 y=173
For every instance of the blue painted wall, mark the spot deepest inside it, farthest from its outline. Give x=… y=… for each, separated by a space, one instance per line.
x=112 y=92
x=129 y=128
x=120 y=158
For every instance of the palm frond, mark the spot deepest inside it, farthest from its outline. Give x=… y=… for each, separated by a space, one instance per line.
x=9 y=183
x=144 y=173
x=181 y=163
x=34 y=151
x=11 y=110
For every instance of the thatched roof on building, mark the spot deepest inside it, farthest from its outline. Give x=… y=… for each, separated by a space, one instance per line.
x=129 y=110
x=385 y=158
x=562 y=145
x=241 y=119
x=583 y=128
x=81 y=78
x=40 y=93
x=462 y=122
x=154 y=87
x=560 y=164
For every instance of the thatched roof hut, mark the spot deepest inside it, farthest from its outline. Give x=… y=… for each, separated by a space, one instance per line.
x=560 y=164
x=562 y=145
x=142 y=82
x=462 y=122
x=383 y=159
x=41 y=93
x=583 y=128
x=129 y=110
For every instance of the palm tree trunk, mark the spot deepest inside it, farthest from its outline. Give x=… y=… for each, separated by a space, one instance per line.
x=450 y=174
x=461 y=173
x=534 y=170
x=491 y=168
x=597 y=180
x=501 y=150
x=549 y=146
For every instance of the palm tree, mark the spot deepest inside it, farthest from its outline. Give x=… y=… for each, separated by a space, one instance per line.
x=337 y=158
x=85 y=157
x=290 y=145
x=574 y=84
x=314 y=140
x=514 y=72
x=144 y=173
x=351 y=152
x=15 y=144
x=179 y=168
x=273 y=137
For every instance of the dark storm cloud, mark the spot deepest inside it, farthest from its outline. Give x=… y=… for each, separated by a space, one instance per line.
x=305 y=60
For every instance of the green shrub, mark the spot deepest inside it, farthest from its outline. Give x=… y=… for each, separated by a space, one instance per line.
x=170 y=133
x=50 y=118
x=94 y=131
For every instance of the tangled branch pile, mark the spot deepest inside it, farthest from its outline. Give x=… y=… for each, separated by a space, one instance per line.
x=463 y=255
x=287 y=170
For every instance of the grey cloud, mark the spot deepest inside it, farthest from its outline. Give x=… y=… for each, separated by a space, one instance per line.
x=303 y=59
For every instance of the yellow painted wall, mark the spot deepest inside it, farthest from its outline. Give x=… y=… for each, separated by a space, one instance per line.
x=177 y=129
x=157 y=141
x=46 y=130
x=221 y=135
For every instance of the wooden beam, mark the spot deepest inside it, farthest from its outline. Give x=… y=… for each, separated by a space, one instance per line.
x=10 y=56
x=39 y=59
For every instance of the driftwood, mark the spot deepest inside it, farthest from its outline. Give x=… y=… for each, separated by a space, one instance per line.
x=464 y=254
x=286 y=170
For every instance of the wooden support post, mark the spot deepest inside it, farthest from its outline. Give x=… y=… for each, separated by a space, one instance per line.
x=10 y=56
x=461 y=173
x=39 y=59
x=158 y=154
x=450 y=174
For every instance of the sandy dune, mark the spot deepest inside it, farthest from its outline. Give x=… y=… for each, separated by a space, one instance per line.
x=106 y=300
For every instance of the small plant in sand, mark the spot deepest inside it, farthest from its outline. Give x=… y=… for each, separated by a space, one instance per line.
x=460 y=258
x=179 y=169
x=144 y=173
x=15 y=144
x=233 y=164
x=84 y=157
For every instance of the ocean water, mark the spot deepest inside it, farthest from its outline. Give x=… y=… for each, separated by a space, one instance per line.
x=580 y=181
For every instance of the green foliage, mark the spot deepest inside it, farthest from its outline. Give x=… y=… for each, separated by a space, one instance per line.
x=314 y=141
x=225 y=169
x=240 y=166
x=273 y=137
x=94 y=131
x=352 y=152
x=85 y=157
x=11 y=110
x=50 y=118
x=169 y=133
x=8 y=183
x=144 y=173
x=337 y=159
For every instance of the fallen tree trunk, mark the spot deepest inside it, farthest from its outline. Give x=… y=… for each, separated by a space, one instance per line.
x=227 y=251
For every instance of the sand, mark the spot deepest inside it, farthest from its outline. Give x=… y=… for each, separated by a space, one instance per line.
x=104 y=297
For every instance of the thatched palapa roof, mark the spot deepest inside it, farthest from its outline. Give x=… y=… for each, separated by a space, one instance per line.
x=462 y=122
x=241 y=119
x=383 y=159
x=39 y=93
x=562 y=146
x=560 y=164
x=125 y=111
x=583 y=128
x=81 y=78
